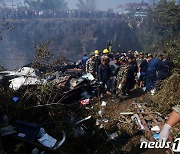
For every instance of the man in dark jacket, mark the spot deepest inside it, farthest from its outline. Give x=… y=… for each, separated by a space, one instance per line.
x=163 y=68
x=104 y=74
x=131 y=73
x=143 y=71
x=83 y=61
x=151 y=72
x=115 y=66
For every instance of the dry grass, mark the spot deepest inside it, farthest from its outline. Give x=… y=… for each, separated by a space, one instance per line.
x=168 y=96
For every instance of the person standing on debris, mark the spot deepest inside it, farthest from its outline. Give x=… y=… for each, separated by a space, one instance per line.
x=132 y=72
x=163 y=68
x=140 y=59
x=84 y=60
x=104 y=74
x=115 y=66
x=134 y=64
x=173 y=119
x=155 y=55
x=105 y=52
x=146 y=55
x=90 y=64
x=142 y=70
x=117 y=54
x=122 y=78
x=130 y=52
x=97 y=62
x=151 y=72
x=136 y=55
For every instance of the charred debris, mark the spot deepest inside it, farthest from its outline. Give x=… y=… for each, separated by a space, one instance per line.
x=50 y=106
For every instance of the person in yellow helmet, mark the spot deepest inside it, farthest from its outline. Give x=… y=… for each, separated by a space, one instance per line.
x=96 y=52
x=97 y=62
x=105 y=51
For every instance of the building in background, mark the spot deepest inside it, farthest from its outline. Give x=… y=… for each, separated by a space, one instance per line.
x=137 y=9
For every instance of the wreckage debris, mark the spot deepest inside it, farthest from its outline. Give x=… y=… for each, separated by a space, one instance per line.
x=150 y=123
x=69 y=100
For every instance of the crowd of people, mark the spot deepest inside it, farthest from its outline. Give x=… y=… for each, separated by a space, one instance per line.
x=119 y=73
x=30 y=14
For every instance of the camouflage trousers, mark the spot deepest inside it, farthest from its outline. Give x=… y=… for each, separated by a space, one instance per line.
x=120 y=93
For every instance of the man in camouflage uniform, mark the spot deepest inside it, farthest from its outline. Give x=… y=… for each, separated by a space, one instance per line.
x=90 y=65
x=122 y=78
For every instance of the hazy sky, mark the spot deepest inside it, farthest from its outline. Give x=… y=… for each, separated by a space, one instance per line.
x=104 y=4
x=101 y=4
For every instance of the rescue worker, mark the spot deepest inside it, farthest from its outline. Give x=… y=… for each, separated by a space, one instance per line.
x=130 y=52
x=136 y=55
x=155 y=55
x=146 y=55
x=140 y=59
x=90 y=65
x=151 y=72
x=142 y=71
x=106 y=52
x=104 y=75
x=122 y=79
x=97 y=60
x=83 y=61
x=132 y=72
x=115 y=66
x=163 y=68
x=117 y=54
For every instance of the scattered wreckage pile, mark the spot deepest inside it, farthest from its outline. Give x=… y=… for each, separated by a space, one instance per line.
x=37 y=106
x=142 y=120
x=63 y=112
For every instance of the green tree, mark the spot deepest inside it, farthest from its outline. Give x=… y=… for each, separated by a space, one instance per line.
x=161 y=30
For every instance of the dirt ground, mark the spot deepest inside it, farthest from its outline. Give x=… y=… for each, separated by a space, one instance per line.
x=130 y=141
x=99 y=127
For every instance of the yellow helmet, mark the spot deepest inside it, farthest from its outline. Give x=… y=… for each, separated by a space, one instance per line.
x=96 y=52
x=105 y=51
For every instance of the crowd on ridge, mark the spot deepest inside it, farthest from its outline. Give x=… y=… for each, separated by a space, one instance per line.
x=119 y=73
x=40 y=14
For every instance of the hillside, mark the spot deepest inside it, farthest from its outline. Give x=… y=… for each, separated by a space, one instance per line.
x=72 y=37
